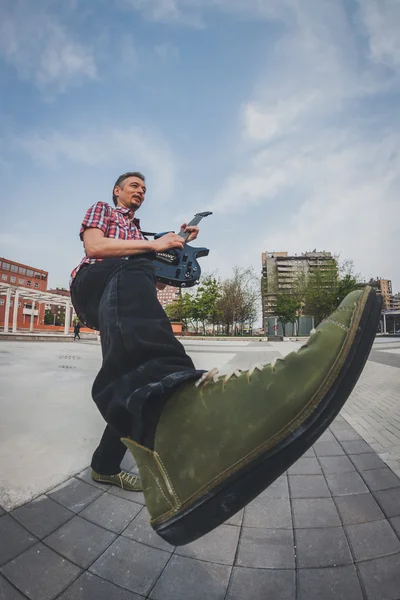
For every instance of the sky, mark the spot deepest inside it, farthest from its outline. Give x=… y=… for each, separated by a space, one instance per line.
x=280 y=116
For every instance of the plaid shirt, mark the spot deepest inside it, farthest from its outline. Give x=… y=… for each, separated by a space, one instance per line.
x=114 y=223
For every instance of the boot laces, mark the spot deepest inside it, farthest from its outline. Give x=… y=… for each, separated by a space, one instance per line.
x=127 y=478
x=213 y=374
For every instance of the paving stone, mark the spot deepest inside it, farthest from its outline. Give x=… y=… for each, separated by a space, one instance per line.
x=111 y=512
x=372 y=540
x=315 y=512
x=86 y=476
x=381 y=479
x=381 y=577
x=342 y=484
x=335 y=583
x=267 y=512
x=42 y=516
x=328 y=449
x=91 y=587
x=356 y=447
x=137 y=497
x=325 y=547
x=308 y=486
x=358 y=508
x=131 y=565
x=141 y=531
x=396 y=524
x=262 y=583
x=40 y=573
x=336 y=464
x=14 y=539
x=327 y=436
x=218 y=546
x=367 y=461
x=8 y=592
x=80 y=541
x=347 y=435
x=188 y=579
x=279 y=489
x=266 y=548
x=75 y=494
x=389 y=501
x=305 y=466
x=2 y=511
x=308 y=453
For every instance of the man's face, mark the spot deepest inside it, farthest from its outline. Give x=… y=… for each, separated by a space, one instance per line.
x=131 y=194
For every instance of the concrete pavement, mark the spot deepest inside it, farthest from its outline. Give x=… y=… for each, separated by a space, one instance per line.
x=328 y=528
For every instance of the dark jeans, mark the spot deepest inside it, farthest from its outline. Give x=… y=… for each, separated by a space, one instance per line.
x=143 y=362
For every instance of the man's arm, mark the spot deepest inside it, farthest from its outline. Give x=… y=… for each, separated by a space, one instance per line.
x=99 y=246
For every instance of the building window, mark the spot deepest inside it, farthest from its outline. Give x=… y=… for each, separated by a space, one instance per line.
x=36 y=285
x=19 y=304
x=1 y=301
x=13 y=279
x=22 y=270
x=4 y=277
x=21 y=281
x=14 y=268
x=11 y=302
x=6 y=266
x=28 y=283
x=44 y=276
x=29 y=272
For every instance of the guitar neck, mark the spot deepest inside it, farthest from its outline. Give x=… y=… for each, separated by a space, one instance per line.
x=197 y=218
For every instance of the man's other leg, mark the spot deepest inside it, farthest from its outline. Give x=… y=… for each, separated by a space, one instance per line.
x=108 y=455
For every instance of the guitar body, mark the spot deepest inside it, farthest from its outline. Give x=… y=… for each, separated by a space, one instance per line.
x=179 y=268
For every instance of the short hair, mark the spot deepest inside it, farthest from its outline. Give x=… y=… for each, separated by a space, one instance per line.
x=121 y=179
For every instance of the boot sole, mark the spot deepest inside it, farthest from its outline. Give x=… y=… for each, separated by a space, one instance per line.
x=220 y=503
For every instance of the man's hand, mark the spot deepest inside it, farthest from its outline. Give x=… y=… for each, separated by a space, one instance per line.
x=168 y=241
x=194 y=231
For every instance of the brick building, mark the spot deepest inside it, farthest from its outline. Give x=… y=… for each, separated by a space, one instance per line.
x=22 y=276
x=167 y=295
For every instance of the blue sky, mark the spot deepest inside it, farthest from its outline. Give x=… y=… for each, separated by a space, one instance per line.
x=284 y=121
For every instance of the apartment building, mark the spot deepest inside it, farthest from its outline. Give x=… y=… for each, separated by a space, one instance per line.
x=25 y=276
x=167 y=295
x=281 y=272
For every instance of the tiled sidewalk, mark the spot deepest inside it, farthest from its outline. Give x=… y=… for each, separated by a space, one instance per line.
x=329 y=528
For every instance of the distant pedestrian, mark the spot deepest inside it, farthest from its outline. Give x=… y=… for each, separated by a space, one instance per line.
x=77 y=328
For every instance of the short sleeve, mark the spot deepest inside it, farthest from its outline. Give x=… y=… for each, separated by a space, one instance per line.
x=97 y=216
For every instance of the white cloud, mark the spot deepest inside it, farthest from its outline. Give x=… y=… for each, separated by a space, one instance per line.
x=381 y=19
x=319 y=169
x=41 y=50
x=135 y=147
x=191 y=12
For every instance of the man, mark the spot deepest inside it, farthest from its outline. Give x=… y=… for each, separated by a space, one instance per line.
x=205 y=445
x=77 y=328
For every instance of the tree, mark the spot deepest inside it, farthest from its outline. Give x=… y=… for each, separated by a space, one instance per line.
x=321 y=293
x=48 y=317
x=328 y=284
x=181 y=309
x=287 y=309
x=240 y=299
x=205 y=303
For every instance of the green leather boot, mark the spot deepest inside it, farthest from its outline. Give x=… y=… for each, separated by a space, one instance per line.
x=221 y=441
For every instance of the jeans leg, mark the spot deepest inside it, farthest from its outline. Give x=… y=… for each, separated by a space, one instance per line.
x=142 y=360
x=108 y=455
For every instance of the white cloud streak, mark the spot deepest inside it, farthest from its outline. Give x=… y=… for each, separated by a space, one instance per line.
x=142 y=149
x=41 y=49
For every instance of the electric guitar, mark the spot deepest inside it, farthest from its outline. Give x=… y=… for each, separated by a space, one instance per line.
x=180 y=268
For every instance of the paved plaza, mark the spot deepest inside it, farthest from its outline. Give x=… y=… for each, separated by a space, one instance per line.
x=327 y=529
